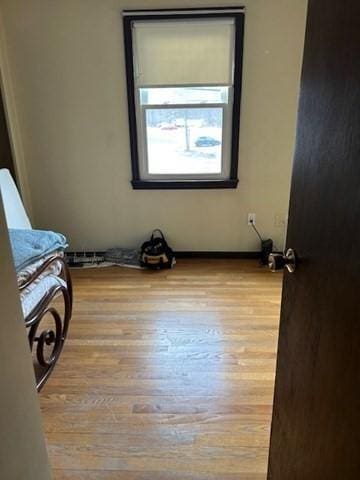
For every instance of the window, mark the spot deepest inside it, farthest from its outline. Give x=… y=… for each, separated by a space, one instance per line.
x=184 y=87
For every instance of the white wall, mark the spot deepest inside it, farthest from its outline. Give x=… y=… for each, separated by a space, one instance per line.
x=22 y=444
x=66 y=61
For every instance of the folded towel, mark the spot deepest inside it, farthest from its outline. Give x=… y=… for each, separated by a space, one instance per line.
x=28 y=246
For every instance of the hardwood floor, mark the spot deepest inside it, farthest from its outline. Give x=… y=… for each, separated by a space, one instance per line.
x=166 y=375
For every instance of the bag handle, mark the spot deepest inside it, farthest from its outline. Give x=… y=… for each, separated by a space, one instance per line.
x=159 y=231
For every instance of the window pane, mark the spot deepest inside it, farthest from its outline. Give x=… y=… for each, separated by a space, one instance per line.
x=184 y=95
x=184 y=141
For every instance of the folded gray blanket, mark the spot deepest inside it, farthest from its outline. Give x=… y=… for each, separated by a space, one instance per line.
x=28 y=246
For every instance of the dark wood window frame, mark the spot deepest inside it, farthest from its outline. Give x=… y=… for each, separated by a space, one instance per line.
x=191 y=13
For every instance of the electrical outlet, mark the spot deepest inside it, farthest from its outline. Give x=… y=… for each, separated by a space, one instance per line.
x=251 y=219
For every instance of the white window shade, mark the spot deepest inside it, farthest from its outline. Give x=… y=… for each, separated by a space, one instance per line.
x=191 y=52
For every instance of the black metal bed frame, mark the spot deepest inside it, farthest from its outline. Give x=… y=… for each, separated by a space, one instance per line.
x=44 y=363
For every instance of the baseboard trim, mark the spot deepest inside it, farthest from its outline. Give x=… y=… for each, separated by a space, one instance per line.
x=185 y=254
x=211 y=254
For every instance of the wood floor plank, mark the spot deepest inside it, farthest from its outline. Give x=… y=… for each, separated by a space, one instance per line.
x=136 y=475
x=166 y=375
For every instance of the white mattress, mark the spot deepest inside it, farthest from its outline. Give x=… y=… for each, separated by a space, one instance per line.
x=33 y=294
x=27 y=272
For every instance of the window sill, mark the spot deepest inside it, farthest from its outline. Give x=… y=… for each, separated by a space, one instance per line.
x=183 y=185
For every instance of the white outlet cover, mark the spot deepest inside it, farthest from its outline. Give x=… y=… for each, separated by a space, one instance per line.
x=251 y=218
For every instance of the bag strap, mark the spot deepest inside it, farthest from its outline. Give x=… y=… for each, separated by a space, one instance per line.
x=158 y=231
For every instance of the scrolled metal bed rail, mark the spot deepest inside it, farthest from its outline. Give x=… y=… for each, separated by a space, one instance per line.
x=39 y=337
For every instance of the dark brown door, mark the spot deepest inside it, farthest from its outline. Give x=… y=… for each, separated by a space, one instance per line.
x=316 y=419
x=6 y=160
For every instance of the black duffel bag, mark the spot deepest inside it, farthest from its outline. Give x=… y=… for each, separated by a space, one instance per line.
x=156 y=253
